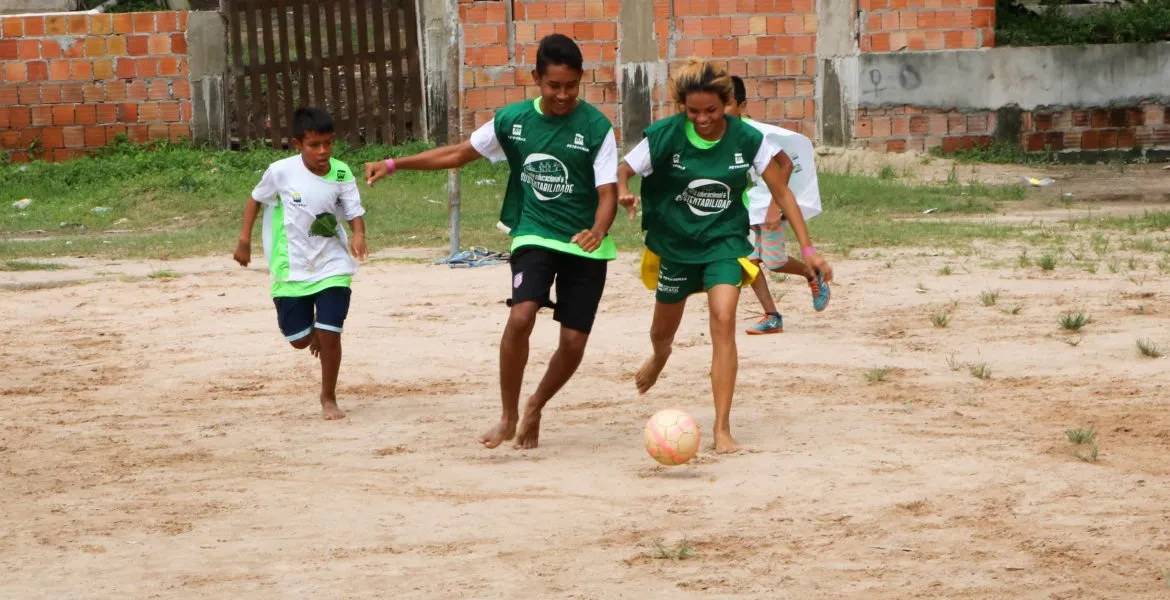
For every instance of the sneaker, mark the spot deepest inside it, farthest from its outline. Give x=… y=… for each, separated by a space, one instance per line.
x=821 y=296
x=767 y=324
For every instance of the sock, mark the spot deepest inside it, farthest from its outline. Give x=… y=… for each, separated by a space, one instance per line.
x=773 y=314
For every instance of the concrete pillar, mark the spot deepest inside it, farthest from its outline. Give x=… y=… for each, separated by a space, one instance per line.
x=639 y=68
x=435 y=26
x=207 y=62
x=837 y=82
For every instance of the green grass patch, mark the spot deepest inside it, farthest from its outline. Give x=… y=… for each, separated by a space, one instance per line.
x=21 y=265
x=172 y=200
x=1147 y=21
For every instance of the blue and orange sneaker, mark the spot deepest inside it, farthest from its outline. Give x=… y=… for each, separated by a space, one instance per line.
x=770 y=323
x=820 y=293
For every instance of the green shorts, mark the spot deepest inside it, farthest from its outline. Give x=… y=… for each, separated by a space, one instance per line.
x=676 y=281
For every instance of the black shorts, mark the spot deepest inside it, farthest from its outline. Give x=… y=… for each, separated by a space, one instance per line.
x=580 y=282
x=296 y=317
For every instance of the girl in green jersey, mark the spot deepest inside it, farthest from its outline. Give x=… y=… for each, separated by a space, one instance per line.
x=695 y=168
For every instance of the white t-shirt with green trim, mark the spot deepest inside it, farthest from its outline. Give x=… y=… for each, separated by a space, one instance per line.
x=302 y=259
x=803 y=181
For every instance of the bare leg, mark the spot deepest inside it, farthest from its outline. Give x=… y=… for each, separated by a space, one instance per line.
x=570 y=351
x=329 y=346
x=722 y=300
x=760 y=287
x=513 y=359
x=667 y=318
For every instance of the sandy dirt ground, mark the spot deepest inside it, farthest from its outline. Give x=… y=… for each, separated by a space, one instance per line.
x=162 y=441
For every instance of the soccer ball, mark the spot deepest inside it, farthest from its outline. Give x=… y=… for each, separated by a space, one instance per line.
x=672 y=437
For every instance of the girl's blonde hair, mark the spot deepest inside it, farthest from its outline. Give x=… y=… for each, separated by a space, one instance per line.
x=701 y=76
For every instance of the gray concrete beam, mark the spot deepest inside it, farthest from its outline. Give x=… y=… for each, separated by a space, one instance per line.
x=639 y=69
x=836 y=83
x=1098 y=75
x=207 y=63
x=435 y=27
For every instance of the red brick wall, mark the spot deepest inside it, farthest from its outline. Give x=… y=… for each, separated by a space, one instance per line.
x=771 y=43
x=898 y=25
x=1144 y=126
x=902 y=128
x=492 y=78
x=72 y=83
x=898 y=129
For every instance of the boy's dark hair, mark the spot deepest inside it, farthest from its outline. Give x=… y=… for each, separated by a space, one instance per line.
x=317 y=120
x=559 y=49
x=739 y=91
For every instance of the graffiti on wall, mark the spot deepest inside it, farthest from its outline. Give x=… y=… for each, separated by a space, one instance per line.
x=908 y=78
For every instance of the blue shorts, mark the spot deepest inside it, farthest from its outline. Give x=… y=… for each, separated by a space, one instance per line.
x=298 y=316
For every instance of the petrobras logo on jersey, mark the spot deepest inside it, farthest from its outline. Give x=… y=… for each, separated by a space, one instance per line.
x=739 y=158
x=676 y=162
x=706 y=197
x=578 y=143
x=547 y=176
x=517 y=133
x=739 y=162
x=296 y=198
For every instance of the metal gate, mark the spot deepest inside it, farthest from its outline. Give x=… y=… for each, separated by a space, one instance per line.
x=358 y=58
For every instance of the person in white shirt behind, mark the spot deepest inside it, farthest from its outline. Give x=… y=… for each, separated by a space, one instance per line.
x=770 y=252
x=305 y=199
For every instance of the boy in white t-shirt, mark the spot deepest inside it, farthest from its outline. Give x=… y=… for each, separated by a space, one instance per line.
x=305 y=197
x=769 y=244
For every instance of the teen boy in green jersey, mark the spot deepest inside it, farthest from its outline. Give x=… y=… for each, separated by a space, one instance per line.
x=560 y=203
x=695 y=167
x=304 y=197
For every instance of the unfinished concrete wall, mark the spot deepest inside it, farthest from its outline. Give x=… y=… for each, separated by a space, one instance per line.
x=1102 y=75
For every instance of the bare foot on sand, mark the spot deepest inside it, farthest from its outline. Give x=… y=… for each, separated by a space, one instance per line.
x=647 y=376
x=528 y=434
x=505 y=430
x=725 y=444
x=330 y=411
x=315 y=350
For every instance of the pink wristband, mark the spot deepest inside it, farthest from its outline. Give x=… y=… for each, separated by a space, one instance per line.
x=808 y=251
x=390 y=165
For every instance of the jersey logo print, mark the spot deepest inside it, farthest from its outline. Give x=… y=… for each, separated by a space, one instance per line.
x=706 y=197
x=677 y=162
x=578 y=143
x=547 y=176
x=296 y=198
x=739 y=163
x=341 y=174
x=517 y=133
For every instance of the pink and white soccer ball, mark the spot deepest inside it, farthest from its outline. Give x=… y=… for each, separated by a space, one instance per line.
x=672 y=437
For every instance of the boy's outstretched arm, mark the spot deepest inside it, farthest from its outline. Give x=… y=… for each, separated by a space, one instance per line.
x=438 y=159
x=357 y=245
x=243 y=254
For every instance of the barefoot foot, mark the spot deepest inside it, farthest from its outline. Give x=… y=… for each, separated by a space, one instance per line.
x=724 y=443
x=528 y=434
x=647 y=376
x=315 y=350
x=330 y=411
x=505 y=430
